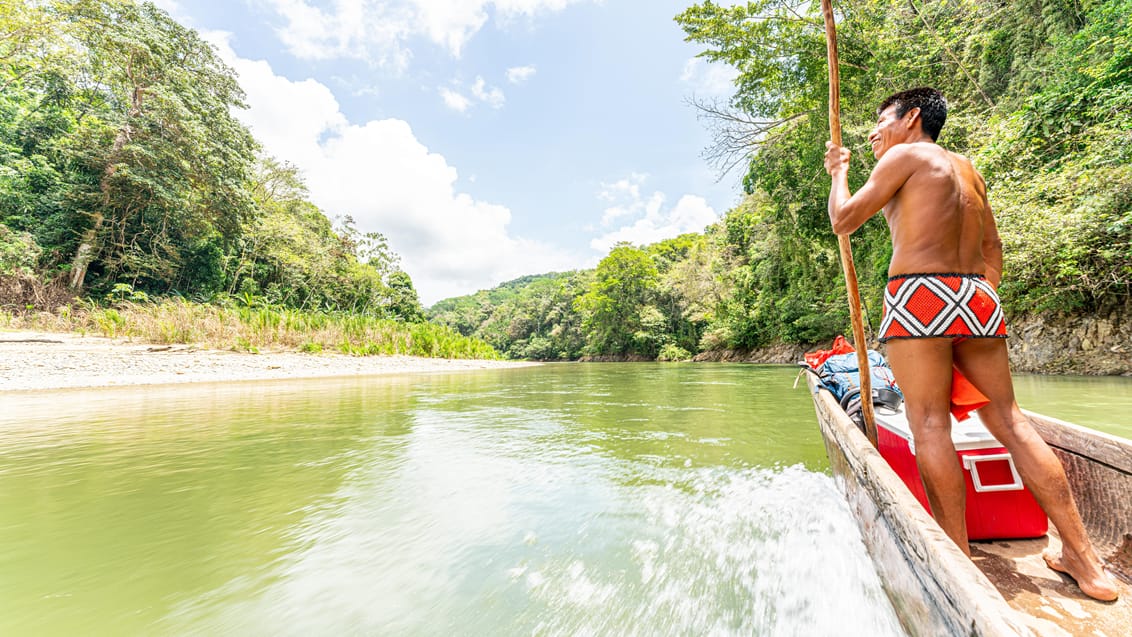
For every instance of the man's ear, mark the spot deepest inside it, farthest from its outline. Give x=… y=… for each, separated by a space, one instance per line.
x=912 y=115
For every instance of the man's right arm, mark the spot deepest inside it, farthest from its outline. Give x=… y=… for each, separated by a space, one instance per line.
x=847 y=212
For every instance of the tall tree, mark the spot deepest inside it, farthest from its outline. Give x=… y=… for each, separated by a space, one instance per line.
x=624 y=287
x=167 y=160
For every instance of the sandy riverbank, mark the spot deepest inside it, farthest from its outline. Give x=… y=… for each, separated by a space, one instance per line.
x=47 y=360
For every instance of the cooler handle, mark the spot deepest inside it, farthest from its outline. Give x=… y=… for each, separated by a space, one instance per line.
x=971 y=464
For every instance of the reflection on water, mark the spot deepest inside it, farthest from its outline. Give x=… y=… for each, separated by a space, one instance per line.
x=558 y=500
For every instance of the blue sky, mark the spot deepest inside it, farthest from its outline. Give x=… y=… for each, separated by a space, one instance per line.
x=486 y=139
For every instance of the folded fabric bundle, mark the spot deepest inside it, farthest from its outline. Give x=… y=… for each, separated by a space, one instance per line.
x=965 y=397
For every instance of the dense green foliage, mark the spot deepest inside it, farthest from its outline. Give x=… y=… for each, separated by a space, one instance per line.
x=121 y=163
x=1041 y=100
x=1039 y=96
x=530 y=317
x=643 y=303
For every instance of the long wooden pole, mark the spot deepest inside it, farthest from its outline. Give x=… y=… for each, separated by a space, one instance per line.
x=843 y=239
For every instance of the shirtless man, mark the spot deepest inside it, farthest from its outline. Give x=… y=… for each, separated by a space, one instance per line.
x=941 y=309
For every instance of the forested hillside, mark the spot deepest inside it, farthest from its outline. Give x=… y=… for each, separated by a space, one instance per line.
x=124 y=172
x=1041 y=100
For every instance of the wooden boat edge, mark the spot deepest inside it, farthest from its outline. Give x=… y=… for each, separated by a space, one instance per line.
x=1099 y=469
x=1099 y=446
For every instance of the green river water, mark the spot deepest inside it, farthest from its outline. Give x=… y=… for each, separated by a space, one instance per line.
x=573 y=499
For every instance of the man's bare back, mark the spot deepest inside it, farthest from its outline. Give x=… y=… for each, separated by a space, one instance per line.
x=939 y=216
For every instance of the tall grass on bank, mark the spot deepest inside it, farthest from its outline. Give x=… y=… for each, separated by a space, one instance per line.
x=256 y=327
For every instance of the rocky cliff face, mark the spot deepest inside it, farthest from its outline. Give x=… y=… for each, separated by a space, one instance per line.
x=780 y=353
x=1049 y=343
x=1099 y=344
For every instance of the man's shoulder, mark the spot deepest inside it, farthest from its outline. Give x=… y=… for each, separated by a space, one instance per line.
x=925 y=150
x=957 y=157
x=919 y=156
x=915 y=152
x=910 y=158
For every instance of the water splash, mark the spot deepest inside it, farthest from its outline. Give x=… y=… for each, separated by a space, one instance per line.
x=753 y=552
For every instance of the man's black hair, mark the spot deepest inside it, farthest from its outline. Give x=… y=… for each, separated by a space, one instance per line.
x=932 y=105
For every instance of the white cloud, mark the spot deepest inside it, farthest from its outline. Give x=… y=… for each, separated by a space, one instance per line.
x=378 y=30
x=172 y=7
x=457 y=101
x=629 y=188
x=708 y=79
x=652 y=221
x=450 y=23
x=520 y=74
x=454 y=100
x=491 y=95
x=381 y=175
x=625 y=195
x=363 y=29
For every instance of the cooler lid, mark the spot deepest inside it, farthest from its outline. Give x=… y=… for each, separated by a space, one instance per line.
x=967 y=435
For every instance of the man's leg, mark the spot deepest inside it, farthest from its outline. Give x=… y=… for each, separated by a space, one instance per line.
x=923 y=371
x=984 y=362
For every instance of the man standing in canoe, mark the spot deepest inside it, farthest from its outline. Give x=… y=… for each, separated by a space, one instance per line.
x=941 y=309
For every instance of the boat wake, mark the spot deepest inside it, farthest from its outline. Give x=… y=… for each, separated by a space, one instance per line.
x=750 y=552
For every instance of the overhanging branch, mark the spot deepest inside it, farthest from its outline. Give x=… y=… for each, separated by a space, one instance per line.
x=736 y=135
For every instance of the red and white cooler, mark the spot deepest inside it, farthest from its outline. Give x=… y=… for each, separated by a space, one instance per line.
x=998 y=505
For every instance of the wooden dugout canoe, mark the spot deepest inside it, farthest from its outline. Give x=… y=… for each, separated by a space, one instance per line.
x=1006 y=588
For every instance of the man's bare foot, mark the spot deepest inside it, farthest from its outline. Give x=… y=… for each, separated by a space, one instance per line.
x=1090 y=577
